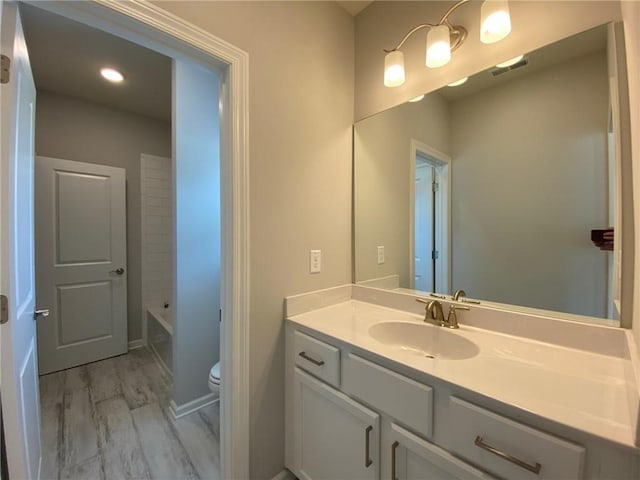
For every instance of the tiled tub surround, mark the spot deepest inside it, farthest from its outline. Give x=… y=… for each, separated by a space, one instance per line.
x=160 y=336
x=575 y=380
x=157 y=239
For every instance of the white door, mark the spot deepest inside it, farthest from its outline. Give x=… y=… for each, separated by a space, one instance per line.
x=335 y=436
x=80 y=262
x=424 y=270
x=19 y=364
x=413 y=458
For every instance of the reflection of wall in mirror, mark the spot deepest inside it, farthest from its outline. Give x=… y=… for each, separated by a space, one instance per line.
x=381 y=203
x=529 y=179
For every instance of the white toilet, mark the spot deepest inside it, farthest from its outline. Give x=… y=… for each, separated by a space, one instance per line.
x=214 y=378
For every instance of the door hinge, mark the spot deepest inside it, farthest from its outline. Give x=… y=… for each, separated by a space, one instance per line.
x=434 y=255
x=4 y=309
x=5 y=67
x=435 y=186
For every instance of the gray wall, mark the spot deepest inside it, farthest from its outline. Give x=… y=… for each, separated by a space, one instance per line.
x=76 y=130
x=300 y=116
x=196 y=175
x=382 y=147
x=524 y=203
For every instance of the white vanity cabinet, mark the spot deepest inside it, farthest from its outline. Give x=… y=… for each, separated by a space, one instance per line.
x=331 y=435
x=334 y=437
x=413 y=458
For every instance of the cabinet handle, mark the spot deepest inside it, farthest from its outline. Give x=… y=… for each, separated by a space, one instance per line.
x=393 y=460
x=312 y=360
x=510 y=458
x=367 y=453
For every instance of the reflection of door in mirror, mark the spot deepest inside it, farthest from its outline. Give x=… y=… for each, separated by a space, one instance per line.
x=424 y=257
x=429 y=245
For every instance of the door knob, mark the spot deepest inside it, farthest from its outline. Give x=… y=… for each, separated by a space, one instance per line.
x=40 y=313
x=117 y=271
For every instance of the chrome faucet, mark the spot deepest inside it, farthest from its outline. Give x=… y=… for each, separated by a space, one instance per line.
x=459 y=293
x=434 y=314
x=452 y=318
x=433 y=311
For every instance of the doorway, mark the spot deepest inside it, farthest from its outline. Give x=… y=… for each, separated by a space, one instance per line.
x=134 y=22
x=429 y=219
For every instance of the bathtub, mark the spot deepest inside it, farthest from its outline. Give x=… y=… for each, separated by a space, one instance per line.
x=160 y=336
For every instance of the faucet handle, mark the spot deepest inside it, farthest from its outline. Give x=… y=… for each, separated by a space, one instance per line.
x=422 y=300
x=458 y=307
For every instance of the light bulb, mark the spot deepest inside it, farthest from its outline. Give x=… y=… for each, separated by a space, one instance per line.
x=394 y=69
x=111 y=74
x=438 y=46
x=511 y=61
x=417 y=99
x=495 y=22
x=458 y=82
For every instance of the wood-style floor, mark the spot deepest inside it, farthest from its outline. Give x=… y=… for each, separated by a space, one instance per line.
x=108 y=420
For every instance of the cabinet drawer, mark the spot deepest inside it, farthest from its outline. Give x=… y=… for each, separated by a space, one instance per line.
x=510 y=449
x=317 y=358
x=404 y=399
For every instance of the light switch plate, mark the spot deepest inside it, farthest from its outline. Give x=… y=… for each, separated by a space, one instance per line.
x=315 y=261
x=380 y=255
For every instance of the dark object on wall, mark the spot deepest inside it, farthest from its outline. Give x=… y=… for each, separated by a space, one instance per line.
x=603 y=239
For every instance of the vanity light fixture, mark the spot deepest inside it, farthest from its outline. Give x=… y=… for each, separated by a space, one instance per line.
x=511 y=61
x=417 y=99
x=458 y=82
x=443 y=38
x=495 y=21
x=111 y=74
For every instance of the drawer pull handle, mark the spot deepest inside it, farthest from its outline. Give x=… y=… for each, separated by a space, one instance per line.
x=312 y=360
x=510 y=458
x=367 y=453
x=393 y=460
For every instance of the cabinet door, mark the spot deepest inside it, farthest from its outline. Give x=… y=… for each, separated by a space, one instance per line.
x=416 y=459
x=334 y=436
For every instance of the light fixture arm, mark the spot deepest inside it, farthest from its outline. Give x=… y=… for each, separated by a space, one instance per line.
x=458 y=32
x=409 y=33
x=445 y=17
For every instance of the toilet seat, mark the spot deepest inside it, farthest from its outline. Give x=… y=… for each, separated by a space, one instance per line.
x=214 y=374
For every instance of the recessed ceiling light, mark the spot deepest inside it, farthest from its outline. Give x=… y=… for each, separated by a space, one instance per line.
x=458 y=82
x=511 y=61
x=111 y=74
x=418 y=98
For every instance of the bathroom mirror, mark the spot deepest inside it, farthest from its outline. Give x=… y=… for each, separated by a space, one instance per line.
x=494 y=186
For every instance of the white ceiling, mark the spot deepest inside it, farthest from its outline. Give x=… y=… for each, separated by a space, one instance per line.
x=66 y=57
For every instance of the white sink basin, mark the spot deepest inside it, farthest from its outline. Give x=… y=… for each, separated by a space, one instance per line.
x=423 y=339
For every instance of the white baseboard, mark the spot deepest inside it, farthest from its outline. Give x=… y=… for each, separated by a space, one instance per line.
x=284 y=475
x=190 y=407
x=136 y=344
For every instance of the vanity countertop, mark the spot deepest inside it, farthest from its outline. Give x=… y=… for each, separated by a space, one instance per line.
x=577 y=388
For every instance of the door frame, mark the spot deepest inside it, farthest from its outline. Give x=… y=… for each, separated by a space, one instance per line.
x=443 y=213
x=148 y=25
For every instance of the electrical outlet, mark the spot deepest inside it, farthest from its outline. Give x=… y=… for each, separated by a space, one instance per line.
x=315 y=261
x=380 y=255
